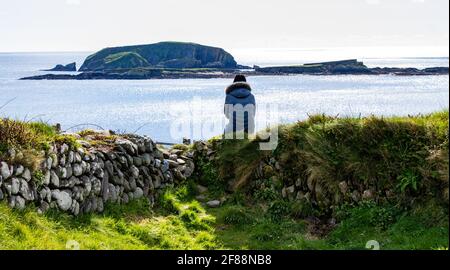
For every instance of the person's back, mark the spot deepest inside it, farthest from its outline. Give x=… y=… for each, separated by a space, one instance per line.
x=240 y=107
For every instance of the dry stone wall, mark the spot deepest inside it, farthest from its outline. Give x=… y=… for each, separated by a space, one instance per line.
x=81 y=180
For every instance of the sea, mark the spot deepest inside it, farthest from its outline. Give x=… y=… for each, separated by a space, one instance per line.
x=168 y=110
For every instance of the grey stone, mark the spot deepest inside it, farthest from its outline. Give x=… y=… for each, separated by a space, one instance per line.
x=19 y=170
x=77 y=157
x=157 y=163
x=109 y=167
x=137 y=161
x=343 y=187
x=25 y=191
x=62 y=160
x=46 y=179
x=54 y=162
x=146 y=160
x=134 y=171
x=69 y=171
x=26 y=174
x=130 y=147
x=112 y=194
x=54 y=179
x=138 y=193
x=19 y=203
x=75 y=208
x=201 y=189
x=43 y=207
x=70 y=157
x=367 y=195
x=125 y=198
x=14 y=186
x=96 y=186
x=213 y=204
x=77 y=169
x=172 y=164
x=100 y=205
x=63 y=199
x=165 y=166
x=201 y=198
x=48 y=163
x=62 y=172
x=64 y=148
x=132 y=182
x=5 y=170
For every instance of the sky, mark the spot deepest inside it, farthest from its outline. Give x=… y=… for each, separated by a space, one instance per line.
x=89 y=25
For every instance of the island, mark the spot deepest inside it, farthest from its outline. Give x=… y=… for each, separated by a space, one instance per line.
x=176 y=60
x=72 y=67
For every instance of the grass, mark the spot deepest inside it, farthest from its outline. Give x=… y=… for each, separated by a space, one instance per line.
x=408 y=155
x=183 y=223
x=134 y=226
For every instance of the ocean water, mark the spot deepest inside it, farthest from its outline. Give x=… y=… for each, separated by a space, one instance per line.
x=156 y=107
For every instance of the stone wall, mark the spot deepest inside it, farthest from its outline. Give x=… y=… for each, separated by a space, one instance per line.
x=82 y=179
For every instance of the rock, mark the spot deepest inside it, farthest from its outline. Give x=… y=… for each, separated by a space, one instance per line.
x=69 y=171
x=343 y=187
x=5 y=170
x=46 y=179
x=18 y=170
x=43 y=207
x=109 y=168
x=201 y=198
x=54 y=179
x=77 y=169
x=100 y=205
x=157 y=163
x=48 y=163
x=181 y=162
x=165 y=166
x=62 y=161
x=64 y=148
x=62 y=172
x=26 y=174
x=130 y=147
x=367 y=195
x=138 y=193
x=1 y=195
x=96 y=186
x=356 y=196
x=172 y=163
x=112 y=194
x=69 y=67
x=77 y=157
x=201 y=189
x=12 y=186
x=125 y=198
x=25 y=191
x=137 y=161
x=70 y=157
x=288 y=191
x=134 y=171
x=19 y=202
x=63 y=199
x=213 y=204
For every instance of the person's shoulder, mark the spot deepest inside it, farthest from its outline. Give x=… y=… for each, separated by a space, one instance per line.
x=238 y=85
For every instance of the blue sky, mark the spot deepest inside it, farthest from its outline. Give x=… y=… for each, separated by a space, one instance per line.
x=89 y=25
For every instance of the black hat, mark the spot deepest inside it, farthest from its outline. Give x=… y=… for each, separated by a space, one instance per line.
x=240 y=78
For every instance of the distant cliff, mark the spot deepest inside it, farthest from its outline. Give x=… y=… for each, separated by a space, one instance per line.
x=159 y=55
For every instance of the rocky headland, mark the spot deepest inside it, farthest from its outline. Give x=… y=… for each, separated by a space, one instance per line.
x=72 y=67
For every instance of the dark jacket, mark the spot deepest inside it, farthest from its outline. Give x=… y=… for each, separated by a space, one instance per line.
x=240 y=93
